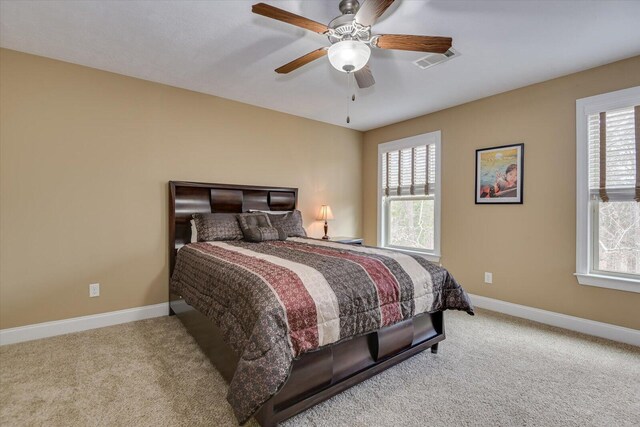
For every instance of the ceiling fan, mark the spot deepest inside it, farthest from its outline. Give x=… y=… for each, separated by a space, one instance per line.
x=351 y=38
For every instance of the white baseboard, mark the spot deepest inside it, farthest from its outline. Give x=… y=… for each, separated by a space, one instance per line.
x=578 y=324
x=77 y=324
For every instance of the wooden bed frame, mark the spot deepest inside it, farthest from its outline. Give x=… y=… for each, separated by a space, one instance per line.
x=315 y=376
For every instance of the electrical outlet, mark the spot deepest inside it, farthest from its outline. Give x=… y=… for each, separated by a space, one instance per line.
x=94 y=290
x=488 y=277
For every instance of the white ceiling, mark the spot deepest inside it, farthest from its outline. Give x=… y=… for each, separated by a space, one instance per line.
x=221 y=48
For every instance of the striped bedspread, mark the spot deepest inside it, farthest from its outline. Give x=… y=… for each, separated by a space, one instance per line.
x=276 y=300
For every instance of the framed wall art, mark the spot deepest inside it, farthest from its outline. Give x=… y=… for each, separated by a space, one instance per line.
x=499 y=174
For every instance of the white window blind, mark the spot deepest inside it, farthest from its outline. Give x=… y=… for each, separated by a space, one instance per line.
x=409 y=171
x=614 y=168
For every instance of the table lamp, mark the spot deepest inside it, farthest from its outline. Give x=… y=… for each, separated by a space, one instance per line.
x=324 y=215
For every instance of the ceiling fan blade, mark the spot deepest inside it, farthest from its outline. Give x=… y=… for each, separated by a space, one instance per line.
x=371 y=10
x=364 y=77
x=303 y=60
x=413 y=43
x=288 y=17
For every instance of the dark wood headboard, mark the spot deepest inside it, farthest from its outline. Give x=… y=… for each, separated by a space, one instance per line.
x=187 y=198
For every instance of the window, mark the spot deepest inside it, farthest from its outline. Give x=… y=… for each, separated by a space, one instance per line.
x=608 y=190
x=409 y=194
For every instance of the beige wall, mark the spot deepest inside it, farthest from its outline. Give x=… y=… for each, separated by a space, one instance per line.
x=85 y=160
x=85 y=157
x=530 y=248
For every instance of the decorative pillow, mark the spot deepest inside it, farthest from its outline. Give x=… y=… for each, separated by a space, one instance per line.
x=256 y=227
x=263 y=234
x=217 y=226
x=253 y=219
x=291 y=223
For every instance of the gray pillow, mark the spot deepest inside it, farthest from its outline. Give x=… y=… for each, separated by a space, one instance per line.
x=256 y=227
x=263 y=234
x=217 y=226
x=254 y=219
x=291 y=223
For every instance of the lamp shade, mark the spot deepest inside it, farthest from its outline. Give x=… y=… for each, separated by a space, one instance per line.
x=349 y=56
x=325 y=213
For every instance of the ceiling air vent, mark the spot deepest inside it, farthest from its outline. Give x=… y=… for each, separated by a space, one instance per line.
x=436 y=58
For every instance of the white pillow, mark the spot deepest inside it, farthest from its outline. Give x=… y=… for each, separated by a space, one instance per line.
x=270 y=212
x=194 y=232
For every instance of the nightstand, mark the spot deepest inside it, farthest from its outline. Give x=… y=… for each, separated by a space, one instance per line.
x=347 y=240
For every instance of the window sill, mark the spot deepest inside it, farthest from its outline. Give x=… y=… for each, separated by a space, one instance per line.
x=430 y=256
x=609 y=282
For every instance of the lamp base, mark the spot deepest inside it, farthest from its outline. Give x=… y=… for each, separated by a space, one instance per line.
x=326 y=229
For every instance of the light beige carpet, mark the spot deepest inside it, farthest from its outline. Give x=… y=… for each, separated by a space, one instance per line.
x=491 y=370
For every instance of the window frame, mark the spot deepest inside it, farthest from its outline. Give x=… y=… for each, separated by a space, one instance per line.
x=430 y=138
x=586 y=217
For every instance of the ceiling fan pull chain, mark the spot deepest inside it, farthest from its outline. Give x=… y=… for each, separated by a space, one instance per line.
x=348 y=90
x=352 y=87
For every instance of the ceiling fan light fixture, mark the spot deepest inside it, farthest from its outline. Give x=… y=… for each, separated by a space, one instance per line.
x=349 y=56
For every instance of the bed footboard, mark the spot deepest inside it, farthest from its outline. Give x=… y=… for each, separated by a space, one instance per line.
x=319 y=375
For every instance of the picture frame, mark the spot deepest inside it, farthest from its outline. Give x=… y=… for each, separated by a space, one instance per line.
x=500 y=175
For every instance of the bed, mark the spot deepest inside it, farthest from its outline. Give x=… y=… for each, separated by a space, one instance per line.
x=291 y=323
